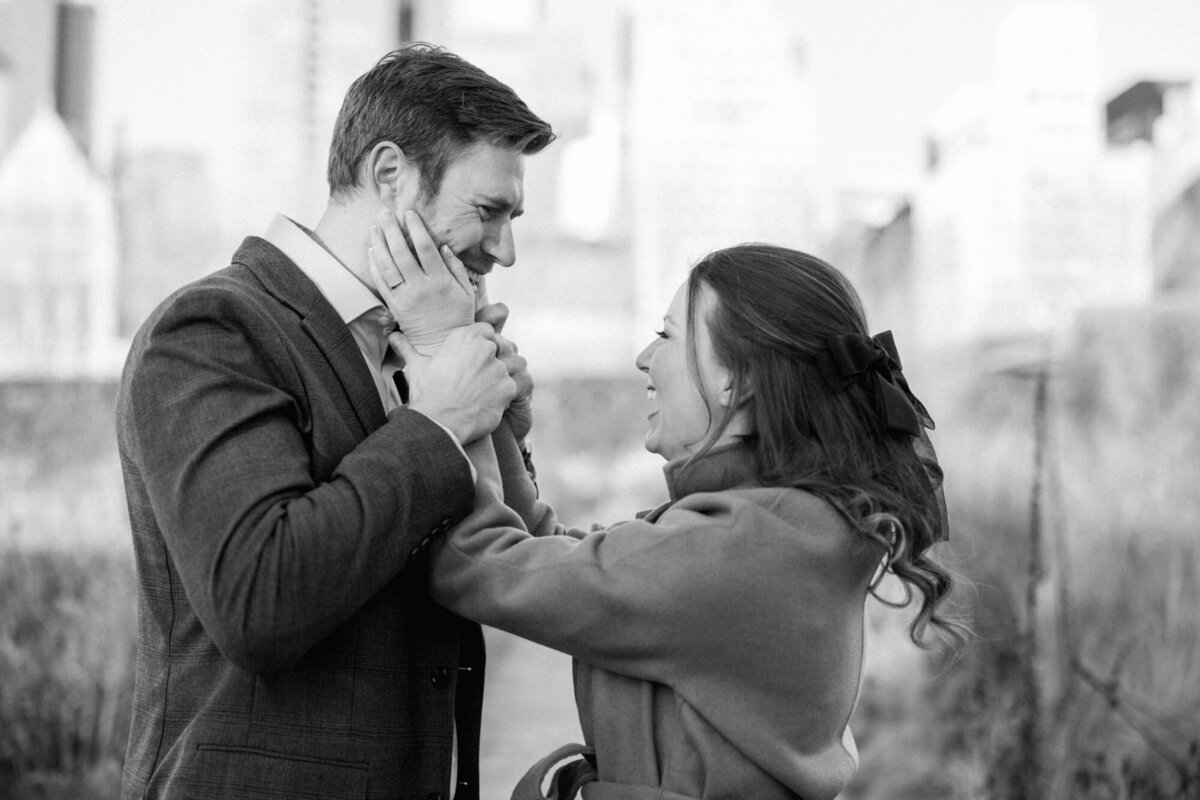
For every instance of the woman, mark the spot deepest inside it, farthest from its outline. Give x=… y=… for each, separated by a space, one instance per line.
x=719 y=638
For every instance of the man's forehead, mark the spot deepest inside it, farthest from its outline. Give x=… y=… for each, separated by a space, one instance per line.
x=489 y=175
x=491 y=165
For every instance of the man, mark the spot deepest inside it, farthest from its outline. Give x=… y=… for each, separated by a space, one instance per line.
x=280 y=491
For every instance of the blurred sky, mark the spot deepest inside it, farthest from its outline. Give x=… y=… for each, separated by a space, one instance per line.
x=880 y=69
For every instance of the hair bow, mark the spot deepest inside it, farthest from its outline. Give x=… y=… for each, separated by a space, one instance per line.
x=874 y=362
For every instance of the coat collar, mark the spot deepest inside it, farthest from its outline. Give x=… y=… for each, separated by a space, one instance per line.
x=290 y=286
x=723 y=467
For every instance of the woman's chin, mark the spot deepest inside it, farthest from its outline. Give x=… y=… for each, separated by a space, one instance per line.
x=652 y=446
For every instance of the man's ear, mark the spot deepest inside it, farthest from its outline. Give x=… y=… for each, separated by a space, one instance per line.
x=390 y=176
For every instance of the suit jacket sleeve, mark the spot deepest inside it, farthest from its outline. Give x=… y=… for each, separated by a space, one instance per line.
x=271 y=560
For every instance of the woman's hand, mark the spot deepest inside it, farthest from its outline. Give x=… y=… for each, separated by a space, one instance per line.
x=520 y=411
x=428 y=294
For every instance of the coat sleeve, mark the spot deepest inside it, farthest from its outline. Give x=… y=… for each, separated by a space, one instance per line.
x=270 y=560
x=649 y=600
x=748 y=604
x=520 y=492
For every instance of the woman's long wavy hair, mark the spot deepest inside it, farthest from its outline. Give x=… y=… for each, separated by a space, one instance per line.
x=775 y=308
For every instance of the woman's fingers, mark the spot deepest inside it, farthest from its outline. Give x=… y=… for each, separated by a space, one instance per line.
x=435 y=259
x=399 y=264
x=426 y=249
x=377 y=277
x=403 y=266
x=457 y=269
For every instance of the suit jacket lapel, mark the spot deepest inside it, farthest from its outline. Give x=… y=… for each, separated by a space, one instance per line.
x=288 y=283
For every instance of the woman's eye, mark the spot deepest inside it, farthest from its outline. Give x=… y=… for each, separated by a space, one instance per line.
x=661 y=334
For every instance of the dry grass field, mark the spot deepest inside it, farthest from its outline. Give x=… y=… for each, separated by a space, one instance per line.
x=1083 y=681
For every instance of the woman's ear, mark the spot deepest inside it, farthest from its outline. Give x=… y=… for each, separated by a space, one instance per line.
x=725 y=398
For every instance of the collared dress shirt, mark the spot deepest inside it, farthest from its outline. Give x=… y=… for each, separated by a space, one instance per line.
x=369 y=322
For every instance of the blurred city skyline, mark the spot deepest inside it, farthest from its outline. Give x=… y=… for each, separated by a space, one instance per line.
x=1013 y=187
x=880 y=70
x=980 y=171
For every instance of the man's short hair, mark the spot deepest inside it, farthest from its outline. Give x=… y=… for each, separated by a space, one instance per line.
x=433 y=105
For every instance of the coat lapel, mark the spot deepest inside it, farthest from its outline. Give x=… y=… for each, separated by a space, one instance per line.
x=288 y=283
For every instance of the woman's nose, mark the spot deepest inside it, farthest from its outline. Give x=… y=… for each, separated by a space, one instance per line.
x=643 y=359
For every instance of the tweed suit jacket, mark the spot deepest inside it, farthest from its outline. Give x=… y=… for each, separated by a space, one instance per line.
x=287 y=646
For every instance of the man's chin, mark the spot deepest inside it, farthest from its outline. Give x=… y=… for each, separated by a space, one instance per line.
x=481 y=296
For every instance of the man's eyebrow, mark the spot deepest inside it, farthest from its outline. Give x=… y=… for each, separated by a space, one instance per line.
x=501 y=204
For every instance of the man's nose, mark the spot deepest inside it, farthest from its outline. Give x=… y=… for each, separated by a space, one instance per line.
x=499 y=246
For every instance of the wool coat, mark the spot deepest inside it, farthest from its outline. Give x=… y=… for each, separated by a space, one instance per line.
x=718 y=641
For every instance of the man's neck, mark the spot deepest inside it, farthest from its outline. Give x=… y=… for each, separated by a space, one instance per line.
x=344 y=231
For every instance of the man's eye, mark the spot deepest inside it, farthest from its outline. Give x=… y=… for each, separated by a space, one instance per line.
x=486 y=213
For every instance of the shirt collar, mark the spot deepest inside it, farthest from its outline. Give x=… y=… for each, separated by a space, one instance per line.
x=346 y=293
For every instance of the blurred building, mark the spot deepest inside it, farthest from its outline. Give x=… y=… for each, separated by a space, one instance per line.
x=572 y=291
x=1134 y=114
x=58 y=237
x=874 y=248
x=720 y=127
x=1023 y=218
x=288 y=63
x=1155 y=125
x=47 y=55
x=677 y=137
x=27 y=48
x=74 y=57
x=167 y=238
x=7 y=79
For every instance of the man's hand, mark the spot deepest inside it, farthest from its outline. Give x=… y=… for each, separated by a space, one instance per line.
x=464 y=386
x=428 y=295
x=520 y=411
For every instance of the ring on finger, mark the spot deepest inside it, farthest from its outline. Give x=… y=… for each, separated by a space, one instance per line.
x=399 y=280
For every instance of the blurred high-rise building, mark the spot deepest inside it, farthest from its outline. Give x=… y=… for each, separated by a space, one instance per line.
x=573 y=289
x=289 y=63
x=166 y=238
x=58 y=237
x=7 y=79
x=720 y=129
x=1023 y=220
x=27 y=46
x=873 y=246
x=47 y=54
x=676 y=136
x=1154 y=126
x=74 y=56
x=685 y=126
